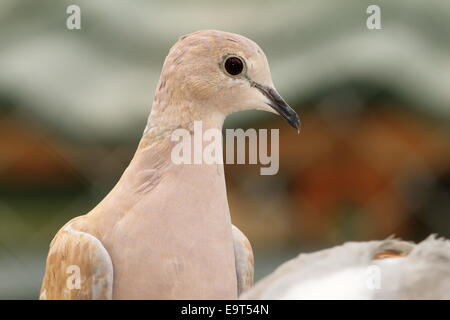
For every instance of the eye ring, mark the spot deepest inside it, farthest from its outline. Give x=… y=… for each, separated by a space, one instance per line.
x=234 y=66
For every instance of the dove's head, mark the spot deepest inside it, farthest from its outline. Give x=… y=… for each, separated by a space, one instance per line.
x=212 y=74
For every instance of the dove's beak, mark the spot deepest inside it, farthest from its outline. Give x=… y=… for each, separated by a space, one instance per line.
x=279 y=105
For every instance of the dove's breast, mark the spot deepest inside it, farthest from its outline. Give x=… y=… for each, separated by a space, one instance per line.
x=176 y=242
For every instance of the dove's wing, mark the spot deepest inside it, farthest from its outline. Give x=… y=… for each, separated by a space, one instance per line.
x=78 y=267
x=243 y=259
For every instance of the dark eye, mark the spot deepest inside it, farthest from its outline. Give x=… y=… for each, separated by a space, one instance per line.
x=234 y=65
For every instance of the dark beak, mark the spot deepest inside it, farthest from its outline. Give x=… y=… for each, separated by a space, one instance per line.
x=277 y=103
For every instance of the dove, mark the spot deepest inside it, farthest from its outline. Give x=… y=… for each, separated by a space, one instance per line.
x=164 y=231
x=372 y=270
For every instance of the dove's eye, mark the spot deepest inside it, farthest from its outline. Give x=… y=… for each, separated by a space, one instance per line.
x=233 y=65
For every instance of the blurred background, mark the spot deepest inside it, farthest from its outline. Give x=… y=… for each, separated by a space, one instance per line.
x=372 y=160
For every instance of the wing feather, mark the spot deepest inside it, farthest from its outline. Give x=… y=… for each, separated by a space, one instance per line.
x=78 y=268
x=244 y=260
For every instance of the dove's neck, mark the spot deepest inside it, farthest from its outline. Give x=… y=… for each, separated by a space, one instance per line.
x=154 y=165
x=169 y=119
x=166 y=140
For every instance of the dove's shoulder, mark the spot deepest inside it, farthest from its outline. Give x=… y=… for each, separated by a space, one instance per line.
x=78 y=265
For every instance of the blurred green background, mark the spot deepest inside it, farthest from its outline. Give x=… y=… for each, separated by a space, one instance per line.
x=373 y=157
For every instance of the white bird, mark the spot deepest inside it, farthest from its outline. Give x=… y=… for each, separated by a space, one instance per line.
x=164 y=231
x=389 y=269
